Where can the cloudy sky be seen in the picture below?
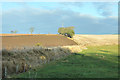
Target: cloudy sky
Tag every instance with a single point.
(47, 17)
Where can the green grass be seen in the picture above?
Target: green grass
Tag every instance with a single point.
(95, 62)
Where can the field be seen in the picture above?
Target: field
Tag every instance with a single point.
(95, 62)
(93, 56)
(96, 40)
(50, 40)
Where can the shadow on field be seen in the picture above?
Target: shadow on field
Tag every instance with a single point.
(104, 51)
(90, 67)
(18, 61)
(76, 66)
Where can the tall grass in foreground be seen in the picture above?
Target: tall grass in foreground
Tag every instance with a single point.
(18, 61)
(89, 63)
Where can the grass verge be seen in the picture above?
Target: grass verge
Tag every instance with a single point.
(95, 62)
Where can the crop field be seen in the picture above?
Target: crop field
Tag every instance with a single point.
(47, 40)
(96, 40)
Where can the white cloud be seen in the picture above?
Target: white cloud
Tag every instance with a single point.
(46, 21)
(104, 9)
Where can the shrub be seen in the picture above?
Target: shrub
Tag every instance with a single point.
(38, 44)
(67, 31)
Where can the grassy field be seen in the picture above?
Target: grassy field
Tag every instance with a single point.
(95, 62)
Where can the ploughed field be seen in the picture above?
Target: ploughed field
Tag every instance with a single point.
(46, 40)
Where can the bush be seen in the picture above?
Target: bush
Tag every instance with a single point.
(38, 44)
(67, 31)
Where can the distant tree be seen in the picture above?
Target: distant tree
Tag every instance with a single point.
(14, 32)
(31, 30)
(67, 31)
(11, 31)
(49, 33)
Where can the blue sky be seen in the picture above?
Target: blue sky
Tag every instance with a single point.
(47, 17)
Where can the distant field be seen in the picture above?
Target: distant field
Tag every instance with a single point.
(26, 40)
(96, 40)
(95, 62)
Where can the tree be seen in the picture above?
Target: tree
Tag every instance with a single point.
(14, 32)
(31, 30)
(67, 31)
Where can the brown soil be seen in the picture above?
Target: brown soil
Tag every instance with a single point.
(47, 40)
(23, 34)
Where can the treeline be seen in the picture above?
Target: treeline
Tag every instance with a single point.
(67, 31)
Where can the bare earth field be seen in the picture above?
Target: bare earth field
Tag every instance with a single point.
(27, 40)
(23, 34)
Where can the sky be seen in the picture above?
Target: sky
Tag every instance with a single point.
(47, 17)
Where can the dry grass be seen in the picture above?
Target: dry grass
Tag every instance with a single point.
(17, 61)
(75, 48)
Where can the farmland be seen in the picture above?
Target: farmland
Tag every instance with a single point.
(59, 39)
(95, 62)
(50, 40)
(101, 56)
(96, 40)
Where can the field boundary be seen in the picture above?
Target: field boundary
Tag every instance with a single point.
(25, 34)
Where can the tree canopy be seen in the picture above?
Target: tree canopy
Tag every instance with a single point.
(66, 30)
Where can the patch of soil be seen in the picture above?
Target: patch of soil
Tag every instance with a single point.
(16, 41)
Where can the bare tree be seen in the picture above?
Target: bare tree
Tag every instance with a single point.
(31, 30)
